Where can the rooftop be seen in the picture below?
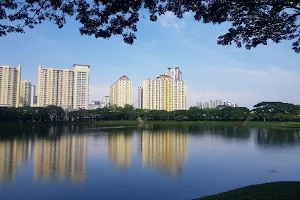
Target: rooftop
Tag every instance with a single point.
(124, 78)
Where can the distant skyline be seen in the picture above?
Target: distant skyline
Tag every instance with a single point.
(267, 73)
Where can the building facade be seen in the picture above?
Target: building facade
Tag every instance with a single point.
(10, 78)
(81, 86)
(33, 96)
(164, 93)
(140, 97)
(175, 74)
(66, 88)
(121, 92)
(212, 104)
(26, 94)
(94, 105)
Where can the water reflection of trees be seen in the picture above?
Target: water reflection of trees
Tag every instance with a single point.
(165, 150)
(274, 138)
(226, 132)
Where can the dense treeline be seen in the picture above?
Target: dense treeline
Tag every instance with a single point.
(129, 113)
(276, 111)
(49, 113)
(264, 111)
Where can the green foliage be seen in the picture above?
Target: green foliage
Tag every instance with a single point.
(267, 191)
(264, 111)
(26, 114)
(276, 111)
(129, 113)
(252, 22)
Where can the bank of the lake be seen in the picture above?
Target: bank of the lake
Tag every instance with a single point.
(268, 191)
(135, 123)
(207, 123)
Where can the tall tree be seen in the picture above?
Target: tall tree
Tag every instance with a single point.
(252, 22)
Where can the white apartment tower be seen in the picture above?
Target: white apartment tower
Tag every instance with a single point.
(175, 74)
(165, 93)
(10, 78)
(26, 94)
(66, 88)
(32, 98)
(121, 92)
(81, 86)
(140, 97)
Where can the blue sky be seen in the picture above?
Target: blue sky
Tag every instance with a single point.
(270, 73)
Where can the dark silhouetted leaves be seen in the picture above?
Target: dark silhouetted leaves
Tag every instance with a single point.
(253, 23)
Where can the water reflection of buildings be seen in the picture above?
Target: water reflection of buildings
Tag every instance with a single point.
(165, 150)
(119, 149)
(63, 157)
(12, 154)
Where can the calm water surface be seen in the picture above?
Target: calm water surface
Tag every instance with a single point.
(183, 162)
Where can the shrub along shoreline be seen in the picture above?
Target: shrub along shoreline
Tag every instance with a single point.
(135, 123)
(284, 190)
(196, 123)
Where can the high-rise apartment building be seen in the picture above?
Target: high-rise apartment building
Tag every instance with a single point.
(10, 78)
(63, 87)
(175, 74)
(121, 92)
(33, 96)
(140, 97)
(164, 93)
(81, 86)
(212, 104)
(26, 94)
(55, 87)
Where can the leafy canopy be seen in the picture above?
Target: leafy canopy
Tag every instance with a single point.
(253, 22)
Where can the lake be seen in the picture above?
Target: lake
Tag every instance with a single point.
(153, 162)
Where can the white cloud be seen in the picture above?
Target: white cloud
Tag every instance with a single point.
(169, 20)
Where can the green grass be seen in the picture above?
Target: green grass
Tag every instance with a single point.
(207, 123)
(174, 123)
(267, 191)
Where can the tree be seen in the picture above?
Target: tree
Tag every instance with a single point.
(277, 111)
(128, 112)
(194, 113)
(252, 22)
(239, 113)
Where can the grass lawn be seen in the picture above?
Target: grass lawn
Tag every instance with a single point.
(267, 191)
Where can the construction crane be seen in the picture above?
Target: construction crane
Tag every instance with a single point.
(199, 103)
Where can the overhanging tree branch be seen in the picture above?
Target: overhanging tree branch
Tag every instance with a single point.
(252, 22)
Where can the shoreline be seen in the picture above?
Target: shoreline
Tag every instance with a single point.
(254, 124)
(201, 123)
(266, 191)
